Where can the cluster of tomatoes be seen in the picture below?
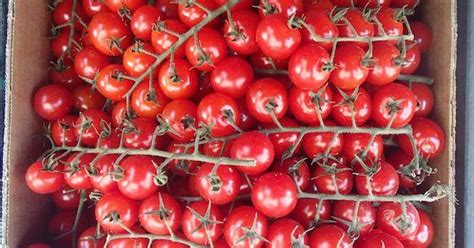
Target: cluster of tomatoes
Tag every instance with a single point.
(247, 86)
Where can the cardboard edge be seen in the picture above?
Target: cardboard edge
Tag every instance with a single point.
(7, 123)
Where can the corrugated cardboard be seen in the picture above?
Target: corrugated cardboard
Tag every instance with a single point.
(25, 213)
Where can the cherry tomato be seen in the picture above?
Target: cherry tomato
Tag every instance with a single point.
(60, 48)
(241, 36)
(333, 175)
(393, 104)
(287, 8)
(321, 25)
(110, 85)
(62, 14)
(275, 38)
(402, 3)
(118, 6)
(52, 102)
(412, 58)
(429, 138)
(355, 144)
(247, 122)
(219, 187)
(309, 67)
(181, 167)
(253, 146)
(213, 49)
(195, 227)
(90, 125)
(391, 24)
(130, 242)
(162, 40)
(286, 233)
(274, 194)
(355, 102)
(320, 5)
(191, 14)
(135, 62)
(260, 60)
(63, 131)
(64, 75)
(373, 3)
(346, 211)
(217, 148)
(283, 142)
(380, 177)
(344, 3)
(425, 234)
(218, 110)
(89, 61)
(142, 21)
(94, 7)
(110, 139)
(170, 244)
(308, 211)
(102, 173)
(361, 26)
(119, 113)
(148, 100)
(241, 5)
(139, 133)
(329, 235)
(423, 35)
(399, 159)
(232, 76)
(386, 68)
(76, 170)
(159, 212)
(315, 144)
(297, 169)
(240, 220)
(304, 104)
(91, 238)
(85, 98)
(267, 97)
(66, 198)
(113, 205)
(378, 239)
(178, 80)
(42, 180)
(137, 181)
(109, 34)
(181, 117)
(390, 219)
(167, 8)
(62, 223)
(424, 98)
(350, 71)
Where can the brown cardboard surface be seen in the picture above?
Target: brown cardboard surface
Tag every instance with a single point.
(24, 213)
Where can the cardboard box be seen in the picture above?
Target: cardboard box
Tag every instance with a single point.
(25, 214)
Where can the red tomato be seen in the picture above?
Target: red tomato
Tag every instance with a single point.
(361, 25)
(308, 212)
(52, 102)
(346, 211)
(274, 194)
(110, 85)
(347, 103)
(213, 49)
(267, 97)
(276, 38)
(162, 40)
(218, 110)
(297, 168)
(288, 7)
(60, 48)
(253, 146)
(94, 7)
(119, 113)
(201, 218)
(321, 5)
(424, 98)
(240, 220)
(64, 75)
(241, 36)
(170, 244)
(390, 219)
(350, 71)
(91, 238)
(63, 131)
(389, 22)
(117, 6)
(286, 233)
(178, 80)
(42, 180)
(320, 25)
(380, 177)
(304, 104)
(219, 187)
(76, 175)
(147, 100)
(110, 139)
(115, 203)
(61, 223)
(260, 60)
(181, 167)
(241, 5)
(247, 122)
(101, 173)
(66, 198)
(191, 14)
(89, 61)
(232, 76)
(344, 3)
(355, 144)
(139, 133)
(143, 20)
(423, 35)
(167, 8)
(315, 144)
(136, 62)
(429, 138)
(402, 3)
(128, 242)
(181, 117)
(89, 126)
(373, 3)
(399, 159)
(425, 234)
(85, 98)
(393, 105)
(309, 67)
(137, 181)
(333, 175)
(386, 68)
(217, 148)
(109, 34)
(283, 142)
(63, 14)
(412, 58)
(159, 212)
(329, 235)
(378, 239)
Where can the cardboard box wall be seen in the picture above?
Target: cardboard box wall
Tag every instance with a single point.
(25, 214)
